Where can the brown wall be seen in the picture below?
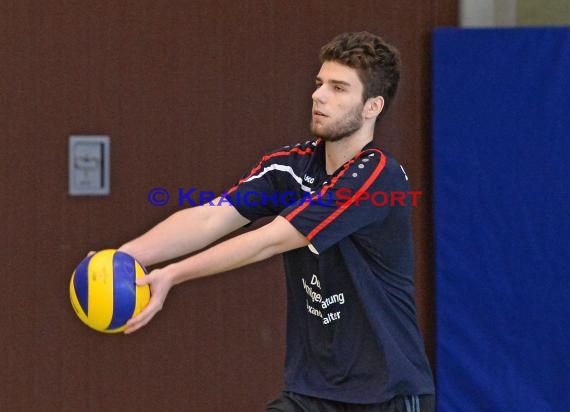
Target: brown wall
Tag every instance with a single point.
(191, 94)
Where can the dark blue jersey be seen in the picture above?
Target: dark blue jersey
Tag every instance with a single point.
(352, 333)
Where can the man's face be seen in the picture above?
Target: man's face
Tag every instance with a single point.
(337, 102)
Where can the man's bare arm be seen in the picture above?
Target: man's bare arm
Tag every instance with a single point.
(274, 238)
(185, 232)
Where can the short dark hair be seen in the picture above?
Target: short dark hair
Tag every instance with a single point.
(377, 62)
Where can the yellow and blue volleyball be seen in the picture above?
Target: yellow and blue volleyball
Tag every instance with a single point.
(103, 291)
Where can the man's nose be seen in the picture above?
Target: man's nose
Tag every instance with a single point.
(319, 95)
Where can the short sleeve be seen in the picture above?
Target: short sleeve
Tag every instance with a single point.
(257, 194)
(365, 191)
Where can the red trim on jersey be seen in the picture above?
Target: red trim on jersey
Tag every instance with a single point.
(346, 204)
(265, 158)
(324, 190)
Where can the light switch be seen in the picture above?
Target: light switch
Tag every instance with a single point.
(89, 165)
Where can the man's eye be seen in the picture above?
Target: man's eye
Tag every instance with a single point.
(338, 88)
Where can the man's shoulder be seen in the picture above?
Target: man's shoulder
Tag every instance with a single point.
(373, 163)
(375, 152)
(295, 154)
(373, 156)
(298, 149)
(377, 156)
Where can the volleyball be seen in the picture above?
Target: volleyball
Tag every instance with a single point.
(103, 292)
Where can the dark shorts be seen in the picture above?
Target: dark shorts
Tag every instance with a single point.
(293, 402)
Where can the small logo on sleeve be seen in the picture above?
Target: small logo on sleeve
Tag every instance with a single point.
(309, 179)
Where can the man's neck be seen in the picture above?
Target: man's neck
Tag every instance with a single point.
(339, 152)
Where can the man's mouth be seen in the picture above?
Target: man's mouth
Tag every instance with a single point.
(319, 113)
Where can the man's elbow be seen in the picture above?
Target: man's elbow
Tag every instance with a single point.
(284, 236)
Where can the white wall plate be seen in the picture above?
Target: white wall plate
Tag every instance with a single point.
(89, 165)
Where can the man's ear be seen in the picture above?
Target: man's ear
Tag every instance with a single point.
(373, 107)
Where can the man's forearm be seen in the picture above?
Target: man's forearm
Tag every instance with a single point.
(184, 232)
(269, 240)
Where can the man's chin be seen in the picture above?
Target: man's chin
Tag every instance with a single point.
(327, 137)
(315, 130)
(322, 133)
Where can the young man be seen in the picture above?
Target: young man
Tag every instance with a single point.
(352, 337)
